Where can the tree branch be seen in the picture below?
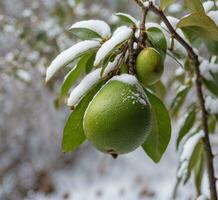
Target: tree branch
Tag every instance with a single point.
(195, 62)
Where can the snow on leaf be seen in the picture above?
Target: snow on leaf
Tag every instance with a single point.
(214, 16)
(202, 197)
(208, 5)
(187, 153)
(206, 68)
(119, 36)
(177, 47)
(88, 81)
(97, 26)
(211, 105)
(69, 55)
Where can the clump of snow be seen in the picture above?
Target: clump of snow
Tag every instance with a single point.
(120, 35)
(207, 67)
(111, 66)
(179, 71)
(147, 2)
(69, 55)
(214, 16)
(208, 5)
(152, 24)
(98, 26)
(24, 75)
(203, 197)
(134, 20)
(177, 47)
(83, 87)
(211, 105)
(175, 8)
(187, 151)
(89, 81)
(126, 78)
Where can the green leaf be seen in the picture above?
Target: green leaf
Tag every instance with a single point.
(84, 33)
(196, 154)
(159, 89)
(212, 123)
(194, 5)
(90, 63)
(212, 46)
(205, 25)
(211, 86)
(126, 19)
(187, 125)
(159, 137)
(73, 134)
(73, 74)
(158, 40)
(198, 174)
(165, 3)
(179, 99)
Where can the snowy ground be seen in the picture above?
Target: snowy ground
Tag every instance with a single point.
(130, 177)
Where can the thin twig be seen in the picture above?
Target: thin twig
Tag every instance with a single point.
(195, 62)
(131, 59)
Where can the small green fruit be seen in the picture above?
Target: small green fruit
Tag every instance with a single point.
(117, 120)
(149, 66)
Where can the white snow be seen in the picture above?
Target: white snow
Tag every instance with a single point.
(214, 16)
(24, 75)
(202, 197)
(208, 5)
(177, 47)
(187, 151)
(128, 16)
(206, 67)
(189, 146)
(211, 105)
(126, 78)
(83, 87)
(69, 55)
(175, 8)
(179, 71)
(146, 3)
(111, 65)
(88, 81)
(98, 26)
(120, 35)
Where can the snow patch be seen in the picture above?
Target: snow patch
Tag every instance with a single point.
(208, 5)
(120, 35)
(203, 197)
(211, 105)
(206, 68)
(214, 16)
(24, 75)
(88, 81)
(98, 26)
(187, 151)
(69, 55)
(177, 46)
(126, 78)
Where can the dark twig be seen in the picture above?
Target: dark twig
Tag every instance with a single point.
(131, 59)
(195, 62)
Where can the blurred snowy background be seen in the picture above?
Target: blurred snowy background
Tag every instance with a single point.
(32, 166)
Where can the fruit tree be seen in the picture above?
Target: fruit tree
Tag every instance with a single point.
(119, 104)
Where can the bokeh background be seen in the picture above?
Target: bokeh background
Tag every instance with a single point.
(32, 166)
